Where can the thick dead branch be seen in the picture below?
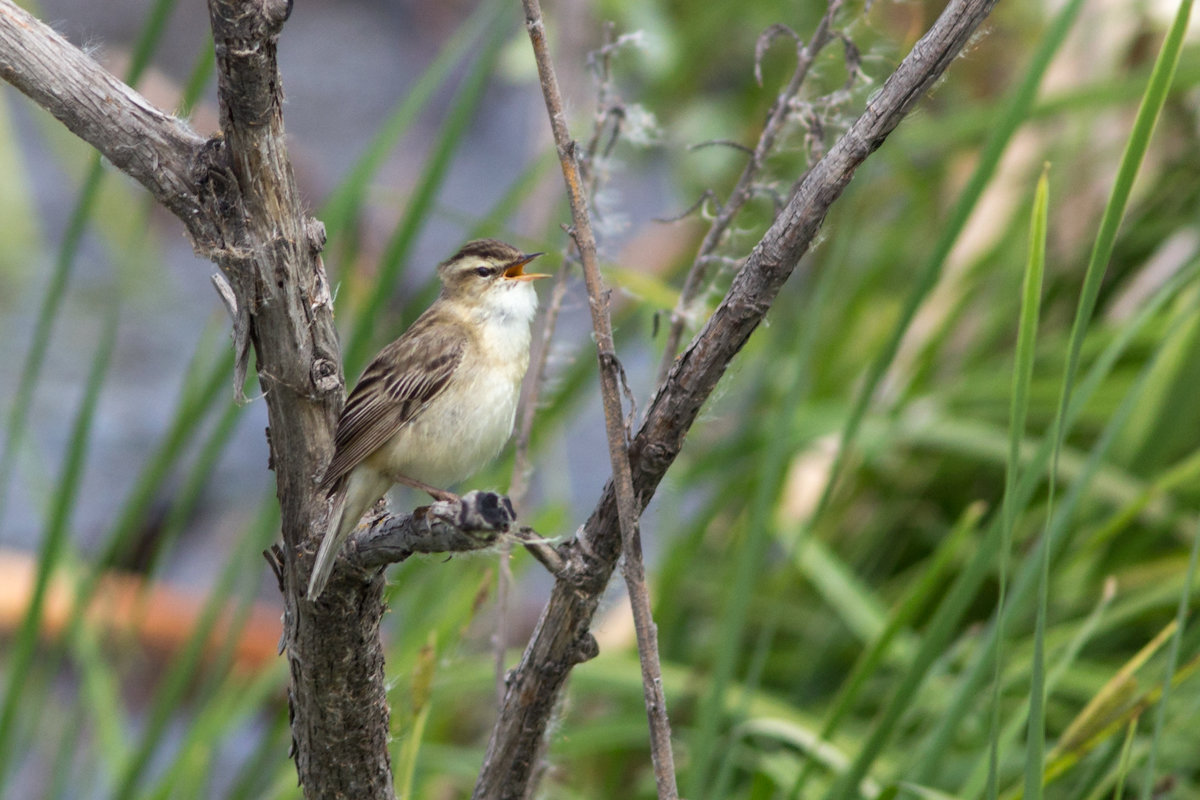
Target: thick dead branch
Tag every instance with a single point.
(272, 259)
(535, 684)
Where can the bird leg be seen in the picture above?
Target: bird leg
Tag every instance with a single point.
(432, 491)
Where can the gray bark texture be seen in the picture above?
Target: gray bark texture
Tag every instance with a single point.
(237, 198)
(269, 253)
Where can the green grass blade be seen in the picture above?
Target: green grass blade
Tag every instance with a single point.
(525, 184)
(181, 672)
(1035, 746)
(226, 702)
(345, 201)
(1101, 252)
(929, 754)
(202, 470)
(99, 701)
(60, 787)
(62, 504)
(751, 554)
(937, 635)
(31, 368)
(1174, 478)
(1126, 754)
(849, 597)
(264, 763)
(450, 137)
(422, 693)
(957, 599)
(197, 397)
(198, 393)
(24, 243)
(978, 782)
(1160, 712)
(1022, 377)
(153, 25)
(765, 489)
(1131, 160)
(198, 79)
(1015, 112)
(920, 596)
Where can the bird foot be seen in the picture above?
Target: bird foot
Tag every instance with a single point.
(487, 511)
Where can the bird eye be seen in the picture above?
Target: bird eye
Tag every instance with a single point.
(482, 272)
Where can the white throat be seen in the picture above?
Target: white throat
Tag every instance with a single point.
(511, 303)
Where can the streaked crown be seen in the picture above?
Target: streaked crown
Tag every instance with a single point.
(482, 264)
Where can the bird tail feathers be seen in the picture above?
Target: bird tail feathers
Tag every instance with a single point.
(363, 488)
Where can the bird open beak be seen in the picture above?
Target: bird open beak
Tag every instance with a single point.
(516, 270)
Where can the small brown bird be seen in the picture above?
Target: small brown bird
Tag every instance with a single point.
(438, 403)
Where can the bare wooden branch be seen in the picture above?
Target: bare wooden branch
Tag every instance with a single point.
(562, 631)
(474, 521)
(237, 198)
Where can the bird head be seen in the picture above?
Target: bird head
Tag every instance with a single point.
(485, 271)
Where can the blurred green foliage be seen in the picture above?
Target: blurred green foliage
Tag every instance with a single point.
(828, 551)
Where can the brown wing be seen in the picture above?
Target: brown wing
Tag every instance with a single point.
(395, 386)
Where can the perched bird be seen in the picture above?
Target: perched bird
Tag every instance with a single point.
(438, 403)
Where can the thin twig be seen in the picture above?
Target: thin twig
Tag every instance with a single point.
(607, 110)
(722, 143)
(709, 196)
(743, 191)
(610, 387)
